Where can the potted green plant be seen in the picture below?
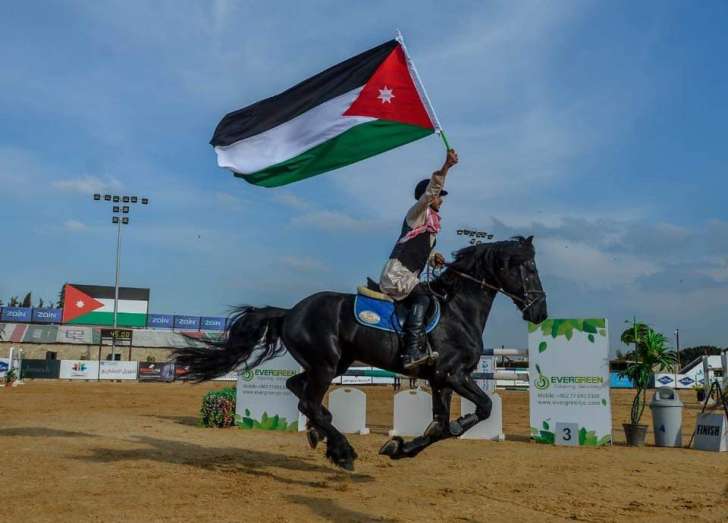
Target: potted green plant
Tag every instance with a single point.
(651, 354)
(10, 377)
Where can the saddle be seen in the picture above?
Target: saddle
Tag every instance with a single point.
(373, 308)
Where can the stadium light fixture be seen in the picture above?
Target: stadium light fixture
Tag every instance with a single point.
(116, 199)
(125, 220)
(107, 197)
(125, 199)
(114, 219)
(97, 196)
(133, 199)
(125, 209)
(116, 208)
(145, 201)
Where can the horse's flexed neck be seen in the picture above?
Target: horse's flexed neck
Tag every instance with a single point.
(508, 267)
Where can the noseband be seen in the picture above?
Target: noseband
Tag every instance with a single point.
(527, 302)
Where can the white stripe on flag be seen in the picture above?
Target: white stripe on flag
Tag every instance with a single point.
(289, 139)
(132, 306)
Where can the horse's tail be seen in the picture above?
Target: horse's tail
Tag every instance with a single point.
(251, 337)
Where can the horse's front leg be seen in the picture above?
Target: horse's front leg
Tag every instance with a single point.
(464, 385)
(438, 429)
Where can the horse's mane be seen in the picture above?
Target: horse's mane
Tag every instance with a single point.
(482, 261)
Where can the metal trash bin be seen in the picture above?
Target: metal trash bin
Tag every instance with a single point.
(667, 410)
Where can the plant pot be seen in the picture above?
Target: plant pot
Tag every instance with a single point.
(635, 434)
(701, 395)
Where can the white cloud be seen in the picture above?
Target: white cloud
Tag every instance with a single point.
(304, 264)
(335, 221)
(88, 184)
(292, 201)
(74, 226)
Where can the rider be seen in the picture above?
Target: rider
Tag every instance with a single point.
(400, 277)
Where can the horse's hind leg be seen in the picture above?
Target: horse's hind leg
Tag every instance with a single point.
(468, 389)
(297, 385)
(311, 388)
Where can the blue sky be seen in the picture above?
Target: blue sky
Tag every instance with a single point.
(600, 127)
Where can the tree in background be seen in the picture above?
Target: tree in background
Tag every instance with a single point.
(14, 302)
(27, 301)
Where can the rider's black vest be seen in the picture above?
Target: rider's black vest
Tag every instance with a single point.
(415, 252)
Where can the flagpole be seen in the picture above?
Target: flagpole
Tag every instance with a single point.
(421, 89)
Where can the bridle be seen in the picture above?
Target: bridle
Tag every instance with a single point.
(527, 303)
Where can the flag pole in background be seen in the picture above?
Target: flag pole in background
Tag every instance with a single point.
(423, 92)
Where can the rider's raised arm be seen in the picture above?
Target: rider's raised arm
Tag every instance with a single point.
(434, 188)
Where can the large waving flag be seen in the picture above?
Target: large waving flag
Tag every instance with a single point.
(364, 106)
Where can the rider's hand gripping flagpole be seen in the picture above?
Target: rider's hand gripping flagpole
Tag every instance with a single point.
(423, 92)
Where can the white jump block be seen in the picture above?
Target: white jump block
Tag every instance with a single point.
(412, 413)
(711, 432)
(491, 428)
(349, 409)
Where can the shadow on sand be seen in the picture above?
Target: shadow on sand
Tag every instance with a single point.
(329, 510)
(43, 432)
(230, 460)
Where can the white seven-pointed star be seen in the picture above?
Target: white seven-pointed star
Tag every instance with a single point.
(80, 304)
(386, 95)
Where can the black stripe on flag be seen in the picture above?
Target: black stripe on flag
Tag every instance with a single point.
(102, 292)
(300, 98)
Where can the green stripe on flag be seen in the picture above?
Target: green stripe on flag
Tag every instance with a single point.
(123, 319)
(358, 143)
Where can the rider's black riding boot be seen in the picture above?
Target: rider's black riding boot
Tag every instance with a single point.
(415, 339)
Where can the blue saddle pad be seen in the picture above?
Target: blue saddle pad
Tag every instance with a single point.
(382, 315)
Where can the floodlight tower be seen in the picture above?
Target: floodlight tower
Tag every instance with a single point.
(119, 217)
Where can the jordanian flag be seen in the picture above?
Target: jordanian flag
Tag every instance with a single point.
(94, 305)
(364, 106)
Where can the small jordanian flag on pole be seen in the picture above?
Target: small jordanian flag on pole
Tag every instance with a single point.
(94, 305)
(362, 107)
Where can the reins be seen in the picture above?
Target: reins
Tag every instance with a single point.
(485, 285)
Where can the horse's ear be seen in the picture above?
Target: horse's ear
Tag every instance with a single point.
(529, 240)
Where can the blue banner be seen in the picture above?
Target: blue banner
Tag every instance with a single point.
(47, 315)
(187, 323)
(208, 323)
(160, 321)
(615, 382)
(17, 314)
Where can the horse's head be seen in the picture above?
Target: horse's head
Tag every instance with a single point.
(508, 267)
(517, 275)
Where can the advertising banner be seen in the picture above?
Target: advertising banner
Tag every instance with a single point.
(153, 371)
(47, 315)
(4, 364)
(41, 334)
(208, 323)
(187, 323)
(76, 334)
(79, 370)
(19, 314)
(683, 381)
(118, 370)
(569, 372)
(160, 321)
(263, 401)
(41, 369)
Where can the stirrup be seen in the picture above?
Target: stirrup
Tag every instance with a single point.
(411, 363)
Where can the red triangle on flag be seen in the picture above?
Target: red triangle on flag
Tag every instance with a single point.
(77, 303)
(390, 94)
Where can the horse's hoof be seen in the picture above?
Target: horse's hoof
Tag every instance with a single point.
(392, 447)
(456, 429)
(347, 465)
(314, 437)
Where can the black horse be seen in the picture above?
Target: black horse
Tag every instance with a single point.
(324, 337)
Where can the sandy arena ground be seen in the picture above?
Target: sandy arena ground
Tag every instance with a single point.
(133, 452)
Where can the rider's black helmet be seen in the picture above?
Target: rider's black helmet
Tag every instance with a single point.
(422, 187)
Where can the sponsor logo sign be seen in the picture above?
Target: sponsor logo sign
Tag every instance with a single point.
(16, 314)
(263, 401)
(569, 372)
(118, 370)
(79, 370)
(160, 321)
(189, 323)
(212, 323)
(154, 371)
(47, 315)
